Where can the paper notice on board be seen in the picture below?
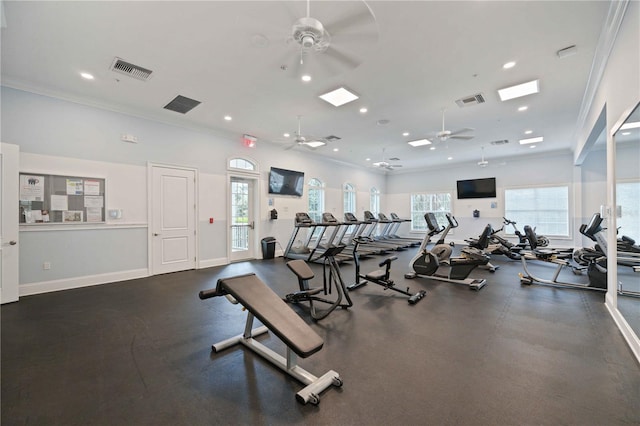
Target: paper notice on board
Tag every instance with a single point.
(74, 187)
(72, 216)
(94, 214)
(31, 188)
(91, 187)
(93, 201)
(59, 202)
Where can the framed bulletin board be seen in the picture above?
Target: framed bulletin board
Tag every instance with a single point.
(54, 199)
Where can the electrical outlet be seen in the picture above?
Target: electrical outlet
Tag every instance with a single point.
(46, 265)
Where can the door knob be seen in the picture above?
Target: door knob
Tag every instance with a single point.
(155, 235)
(13, 242)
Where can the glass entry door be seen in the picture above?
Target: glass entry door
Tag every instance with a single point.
(242, 228)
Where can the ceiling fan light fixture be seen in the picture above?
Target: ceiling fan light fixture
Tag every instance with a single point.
(420, 142)
(339, 97)
(519, 90)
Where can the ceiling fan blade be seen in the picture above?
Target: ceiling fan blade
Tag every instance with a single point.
(466, 129)
(351, 21)
(465, 137)
(341, 57)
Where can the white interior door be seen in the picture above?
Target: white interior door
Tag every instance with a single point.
(9, 158)
(242, 223)
(173, 219)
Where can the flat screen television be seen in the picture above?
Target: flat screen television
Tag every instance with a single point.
(285, 182)
(477, 188)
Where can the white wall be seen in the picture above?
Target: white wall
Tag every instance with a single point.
(554, 168)
(60, 137)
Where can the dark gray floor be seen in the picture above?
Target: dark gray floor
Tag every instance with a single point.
(138, 353)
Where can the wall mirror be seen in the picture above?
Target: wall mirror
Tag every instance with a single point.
(627, 171)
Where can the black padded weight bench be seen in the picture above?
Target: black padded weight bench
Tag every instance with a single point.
(301, 340)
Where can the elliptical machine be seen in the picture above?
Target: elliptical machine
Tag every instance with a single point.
(379, 276)
(434, 264)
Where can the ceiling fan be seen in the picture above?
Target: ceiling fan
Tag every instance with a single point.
(311, 142)
(444, 134)
(384, 164)
(342, 39)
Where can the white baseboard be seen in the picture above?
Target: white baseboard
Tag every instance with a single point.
(77, 282)
(209, 263)
(627, 332)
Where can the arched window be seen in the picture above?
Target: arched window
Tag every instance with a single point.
(374, 201)
(242, 164)
(349, 198)
(316, 199)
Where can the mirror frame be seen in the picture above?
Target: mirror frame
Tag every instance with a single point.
(612, 265)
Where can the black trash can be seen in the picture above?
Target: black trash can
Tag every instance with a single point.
(268, 247)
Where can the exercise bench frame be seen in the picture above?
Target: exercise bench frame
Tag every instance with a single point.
(300, 339)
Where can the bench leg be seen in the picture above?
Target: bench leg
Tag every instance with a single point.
(289, 365)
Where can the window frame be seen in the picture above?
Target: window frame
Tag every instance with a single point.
(439, 213)
(374, 200)
(315, 185)
(539, 223)
(349, 198)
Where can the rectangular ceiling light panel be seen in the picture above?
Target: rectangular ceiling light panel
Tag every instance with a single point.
(531, 140)
(339, 97)
(420, 142)
(519, 90)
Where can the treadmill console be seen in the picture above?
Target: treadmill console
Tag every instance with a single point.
(303, 219)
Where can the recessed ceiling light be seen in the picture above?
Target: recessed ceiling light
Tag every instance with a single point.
(433, 148)
(228, 117)
(519, 90)
(306, 78)
(509, 65)
(367, 159)
(532, 146)
(339, 97)
(531, 140)
(86, 76)
(528, 132)
(523, 108)
(631, 125)
(626, 133)
(286, 135)
(449, 158)
(405, 134)
(363, 110)
(335, 150)
(420, 142)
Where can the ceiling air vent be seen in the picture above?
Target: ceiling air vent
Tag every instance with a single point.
(131, 70)
(332, 138)
(471, 100)
(182, 104)
(500, 142)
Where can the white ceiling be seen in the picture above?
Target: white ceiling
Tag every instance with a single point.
(407, 64)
